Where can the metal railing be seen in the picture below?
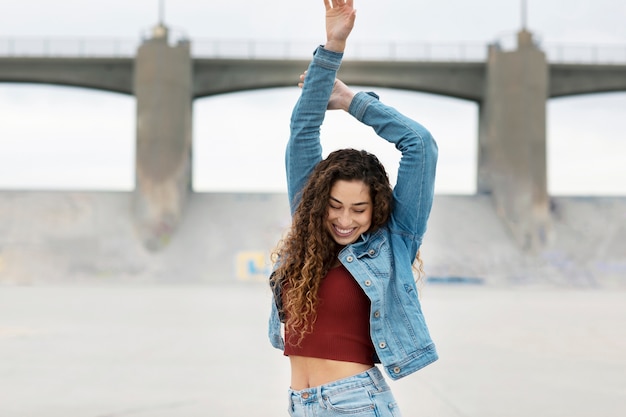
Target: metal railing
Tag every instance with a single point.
(585, 54)
(384, 51)
(256, 49)
(67, 47)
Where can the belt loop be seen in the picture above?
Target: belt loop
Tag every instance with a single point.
(291, 406)
(320, 396)
(376, 378)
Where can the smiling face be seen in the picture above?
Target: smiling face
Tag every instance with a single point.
(349, 211)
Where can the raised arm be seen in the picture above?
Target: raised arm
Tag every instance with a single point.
(414, 190)
(304, 150)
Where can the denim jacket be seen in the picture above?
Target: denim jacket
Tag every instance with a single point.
(381, 262)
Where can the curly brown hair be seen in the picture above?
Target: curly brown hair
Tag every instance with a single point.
(308, 250)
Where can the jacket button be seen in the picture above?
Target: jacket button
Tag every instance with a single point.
(368, 283)
(396, 370)
(383, 345)
(372, 252)
(349, 259)
(377, 314)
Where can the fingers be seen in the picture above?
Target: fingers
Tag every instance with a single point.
(301, 83)
(331, 4)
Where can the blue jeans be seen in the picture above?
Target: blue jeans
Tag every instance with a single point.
(365, 394)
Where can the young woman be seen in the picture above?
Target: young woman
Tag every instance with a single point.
(343, 281)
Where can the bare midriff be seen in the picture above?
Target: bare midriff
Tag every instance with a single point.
(309, 372)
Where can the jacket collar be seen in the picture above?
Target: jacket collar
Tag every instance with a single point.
(367, 241)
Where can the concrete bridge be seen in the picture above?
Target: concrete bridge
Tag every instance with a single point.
(511, 88)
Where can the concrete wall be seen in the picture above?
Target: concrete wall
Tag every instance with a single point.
(59, 238)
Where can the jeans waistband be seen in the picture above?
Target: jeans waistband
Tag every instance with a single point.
(372, 377)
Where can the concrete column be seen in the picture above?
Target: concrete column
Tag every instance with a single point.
(512, 140)
(483, 171)
(163, 90)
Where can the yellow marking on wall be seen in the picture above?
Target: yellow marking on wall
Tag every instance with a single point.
(252, 266)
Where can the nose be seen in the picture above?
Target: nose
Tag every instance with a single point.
(344, 219)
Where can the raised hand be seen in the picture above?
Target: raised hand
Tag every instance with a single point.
(340, 17)
(340, 97)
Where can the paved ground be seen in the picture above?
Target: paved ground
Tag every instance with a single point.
(191, 351)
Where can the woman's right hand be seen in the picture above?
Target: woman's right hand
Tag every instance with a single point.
(340, 17)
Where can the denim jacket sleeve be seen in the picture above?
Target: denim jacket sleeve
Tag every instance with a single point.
(414, 190)
(304, 150)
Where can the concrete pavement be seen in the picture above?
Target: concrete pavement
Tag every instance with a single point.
(201, 350)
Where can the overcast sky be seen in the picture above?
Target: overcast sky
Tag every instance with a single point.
(71, 138)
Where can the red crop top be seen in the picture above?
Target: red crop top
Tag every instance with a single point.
(342, 329)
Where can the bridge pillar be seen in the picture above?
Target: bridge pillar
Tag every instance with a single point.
(163, 92)
(512, 140)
